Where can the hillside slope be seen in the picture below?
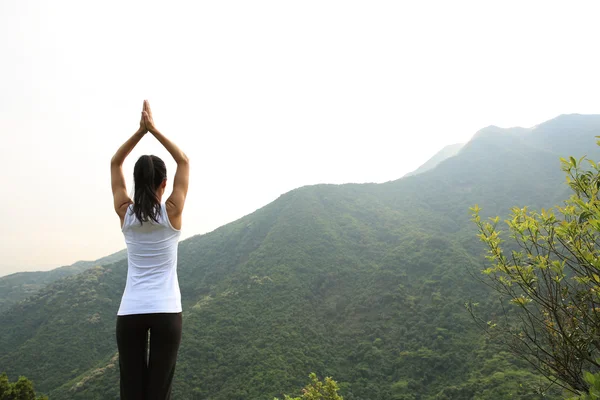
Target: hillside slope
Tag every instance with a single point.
(365, 283)
(443, 154)
(20, 285)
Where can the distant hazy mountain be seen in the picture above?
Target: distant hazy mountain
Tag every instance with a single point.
(18, 286)
(446, 152)
(362, 282)
(564, 135)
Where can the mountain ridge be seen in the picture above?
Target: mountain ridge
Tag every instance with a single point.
(362, 282)
(516, 133)
(18, 286)
(446, 152)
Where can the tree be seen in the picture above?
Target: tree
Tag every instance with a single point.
(5, 386)
(317, 390)
(550, 273)
(22, 389)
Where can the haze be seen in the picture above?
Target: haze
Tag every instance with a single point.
(263, 96)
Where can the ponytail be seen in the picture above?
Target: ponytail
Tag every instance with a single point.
(148, 174)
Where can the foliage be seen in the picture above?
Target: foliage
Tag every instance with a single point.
(593, 380)
(318, 390)
(22, 389)
(552, 279)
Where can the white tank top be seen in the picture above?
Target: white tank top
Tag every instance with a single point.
(152, 285)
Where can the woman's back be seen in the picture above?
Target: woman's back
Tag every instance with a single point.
(152, 285)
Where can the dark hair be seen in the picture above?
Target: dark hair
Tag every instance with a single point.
(149, 172)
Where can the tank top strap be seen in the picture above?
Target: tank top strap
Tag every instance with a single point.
(165, 217)
(128, 217)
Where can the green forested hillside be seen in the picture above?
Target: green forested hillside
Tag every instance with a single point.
(18, 286)
(365, 283)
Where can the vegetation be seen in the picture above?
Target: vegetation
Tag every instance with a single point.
(22, 389)
(318, 390)
(21, 285)
(365, 283)
(553, 281)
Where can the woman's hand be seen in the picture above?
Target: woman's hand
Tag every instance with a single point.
(142, 130)
(147, 118)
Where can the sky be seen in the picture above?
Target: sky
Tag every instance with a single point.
(263, 96)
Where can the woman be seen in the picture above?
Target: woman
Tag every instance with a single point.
(151, 303)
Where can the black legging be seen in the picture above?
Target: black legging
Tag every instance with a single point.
(143, 378)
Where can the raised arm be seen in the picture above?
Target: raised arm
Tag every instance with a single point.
(176, 201)
(119, 189)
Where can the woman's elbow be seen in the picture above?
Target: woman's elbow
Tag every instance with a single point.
(183, 159)
(115, 162)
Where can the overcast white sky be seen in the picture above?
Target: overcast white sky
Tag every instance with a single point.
(263, 96)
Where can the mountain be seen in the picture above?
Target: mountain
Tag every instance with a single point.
(566, 134)
(18, 286)
(362, 282)
(446, 152)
